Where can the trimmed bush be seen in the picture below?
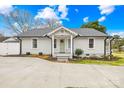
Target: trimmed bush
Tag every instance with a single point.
(78, 52)
(87, 54)
(40, 53)
(28, 53)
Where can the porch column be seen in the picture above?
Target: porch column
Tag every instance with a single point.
(71, 46)
(53, 45)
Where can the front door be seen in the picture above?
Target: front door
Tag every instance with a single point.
(62, 45)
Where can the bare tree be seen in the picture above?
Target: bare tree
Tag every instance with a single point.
(21, 20)
(53, 23)
(18, 21)
(47, 23)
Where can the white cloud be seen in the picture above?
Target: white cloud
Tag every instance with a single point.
(61, 22)
(106, 9)
(5, 9)
(46, 13)
(86, 19)
(77, 10)
(64, 11)
(121, 34)
(103, 18)
(53, 12)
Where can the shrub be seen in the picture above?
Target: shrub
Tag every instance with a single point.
(40, 53)
(87, 54)
(78, 52)
(28, 53)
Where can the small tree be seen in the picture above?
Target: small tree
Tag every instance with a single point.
(78, 52)
(95, 25)
(118, 42)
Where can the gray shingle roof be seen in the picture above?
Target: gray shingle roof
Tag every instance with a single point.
(88, 32)
(80, 31)
(35, 32)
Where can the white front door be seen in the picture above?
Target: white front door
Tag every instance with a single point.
(62, 45)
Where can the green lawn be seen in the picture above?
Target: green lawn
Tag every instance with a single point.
(119, 54)
(119, 62)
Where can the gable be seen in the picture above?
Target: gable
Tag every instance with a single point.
(62, 31)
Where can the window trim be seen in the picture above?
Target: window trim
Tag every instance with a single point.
(32, 43)
(93, 43)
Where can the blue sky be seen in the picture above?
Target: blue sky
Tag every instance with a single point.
(72, 16)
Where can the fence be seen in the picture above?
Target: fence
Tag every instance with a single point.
(9, 48)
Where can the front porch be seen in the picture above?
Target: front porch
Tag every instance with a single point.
(62, 46)
(62, 39)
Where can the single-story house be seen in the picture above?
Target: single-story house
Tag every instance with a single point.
(62, 42)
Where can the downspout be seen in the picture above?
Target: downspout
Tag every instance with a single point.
(105, 47)
(20, 45)
(111, 48)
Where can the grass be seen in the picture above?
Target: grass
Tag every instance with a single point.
(119, 62)
(119, 54)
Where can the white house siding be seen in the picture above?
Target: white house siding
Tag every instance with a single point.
(43, 45)
(83, 43)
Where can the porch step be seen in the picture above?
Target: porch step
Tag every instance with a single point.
(62, 58)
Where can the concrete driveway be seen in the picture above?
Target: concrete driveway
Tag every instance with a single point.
(34, 72)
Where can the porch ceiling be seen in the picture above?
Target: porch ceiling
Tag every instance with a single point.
(62, 36)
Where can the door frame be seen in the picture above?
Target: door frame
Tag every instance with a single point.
(62, 50)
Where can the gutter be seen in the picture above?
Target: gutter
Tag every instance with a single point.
(105, 46)
(20, 45)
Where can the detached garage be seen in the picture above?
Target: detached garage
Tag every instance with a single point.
(10, 46)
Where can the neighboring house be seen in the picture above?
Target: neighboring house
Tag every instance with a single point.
(62, 42)
(122, 48)
(9, 46)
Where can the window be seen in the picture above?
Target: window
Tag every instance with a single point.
(69, 43)
(91, 43)
(54, 43)
(34, 43)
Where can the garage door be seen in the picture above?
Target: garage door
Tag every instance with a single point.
(9, 48)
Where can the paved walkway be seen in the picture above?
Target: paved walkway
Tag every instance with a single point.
(34, 72)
